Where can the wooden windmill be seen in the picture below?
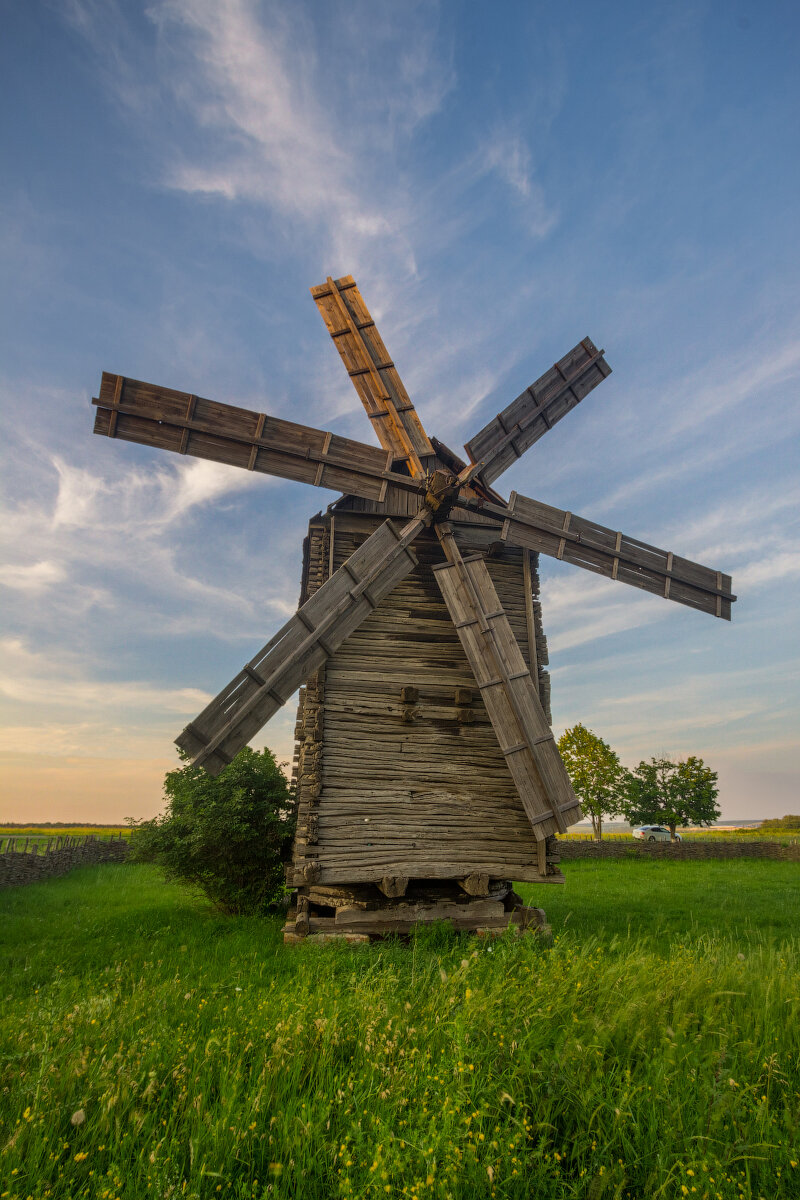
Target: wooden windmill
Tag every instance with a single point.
(427, 772)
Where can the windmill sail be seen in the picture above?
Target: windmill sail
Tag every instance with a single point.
(508, 692)
(537, 409)
(537, 526)
(372, 372)
(312, 635)
(186, 424)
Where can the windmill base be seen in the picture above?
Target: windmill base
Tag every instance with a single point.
(362, 913)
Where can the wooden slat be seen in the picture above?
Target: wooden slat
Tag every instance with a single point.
(509, 695)
(170, 420)
(537, 409)
(372, 371)
(537, 526)
(300, 647)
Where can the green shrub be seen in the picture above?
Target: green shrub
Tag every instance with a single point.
(228, 836)
(789, 823)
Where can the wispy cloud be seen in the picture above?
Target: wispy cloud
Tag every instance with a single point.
(44, 677)
(751, 389)
(33, 579)
(254, 80)
(510, 157)
(582, 608)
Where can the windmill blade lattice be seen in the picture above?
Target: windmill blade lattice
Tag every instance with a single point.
(161, 417)
(504, 680)
(373, 373)
(576, 540)
(312, 635)
(513, 431)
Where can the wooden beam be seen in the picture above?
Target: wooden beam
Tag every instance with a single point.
(535, 526)
(508, 692)
(312, 635)
(537, 409)
(134, 411)
(373, 372)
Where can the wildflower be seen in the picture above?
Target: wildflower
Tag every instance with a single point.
(81, 1155)
(78, 1117)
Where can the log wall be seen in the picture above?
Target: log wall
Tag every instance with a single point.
(397, 766)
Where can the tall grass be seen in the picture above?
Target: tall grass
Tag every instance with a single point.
(152, 1048)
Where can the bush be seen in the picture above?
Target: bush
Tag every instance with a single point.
(228, 836)
(788, 824)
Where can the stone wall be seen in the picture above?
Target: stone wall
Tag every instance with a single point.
(18, 867)
(702, 848)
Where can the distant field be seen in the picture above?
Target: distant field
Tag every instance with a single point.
(749, 834)
(653, 1051)
(53, 831)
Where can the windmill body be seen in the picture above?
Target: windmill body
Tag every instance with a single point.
(427, 773)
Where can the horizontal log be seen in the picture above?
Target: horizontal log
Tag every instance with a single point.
(358, 872)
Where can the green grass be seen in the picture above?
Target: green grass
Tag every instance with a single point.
(652, 1051)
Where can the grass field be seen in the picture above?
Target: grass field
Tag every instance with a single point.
(151, 1048)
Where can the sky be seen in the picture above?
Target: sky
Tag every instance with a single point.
(502, 180)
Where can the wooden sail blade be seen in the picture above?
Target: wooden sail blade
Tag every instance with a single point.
(508, 692)
(312, 635)
(374, 375)
(187, 424)
(562, 535)
(537, 409)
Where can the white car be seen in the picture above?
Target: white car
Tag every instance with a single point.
(653, 833)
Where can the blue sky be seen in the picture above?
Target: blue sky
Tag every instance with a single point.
(502, 180)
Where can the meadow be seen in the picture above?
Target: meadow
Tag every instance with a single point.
(150, 1047)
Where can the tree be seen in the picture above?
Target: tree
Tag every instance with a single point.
(788, 824)
(228, 836)
(672, 793)
(598, 777)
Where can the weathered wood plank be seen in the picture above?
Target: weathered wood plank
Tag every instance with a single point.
(372, 372)
(354, 868)
(562, 535)
(303, 644)
(537, 409)
(134, 411)
(511, 700)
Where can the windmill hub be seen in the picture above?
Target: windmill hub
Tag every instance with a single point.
(427, 773)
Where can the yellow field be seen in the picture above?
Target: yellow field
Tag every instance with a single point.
(47, 831)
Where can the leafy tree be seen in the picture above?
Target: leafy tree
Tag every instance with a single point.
(671, 793)
(788, 824)
(228, 836)
(598, 777)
